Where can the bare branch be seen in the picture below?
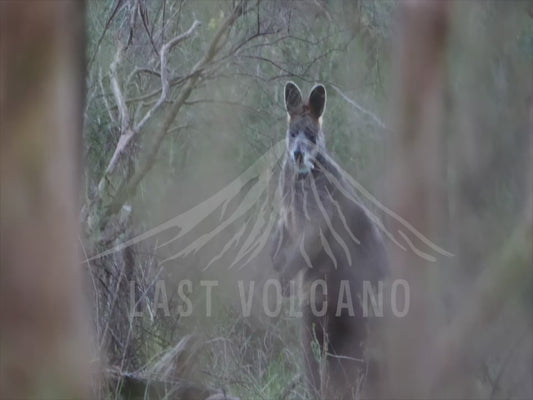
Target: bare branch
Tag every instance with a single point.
(133, 20)
(127, 133)
(143, 13)
(138, 70)
(172, 82)
(117, 92)
(164, 73)
(362, 110)
(246, 107)
(104, 97)
(219, 40)
(119, 4)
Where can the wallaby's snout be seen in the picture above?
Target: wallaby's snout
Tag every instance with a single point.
(303, 153)
(298, 156)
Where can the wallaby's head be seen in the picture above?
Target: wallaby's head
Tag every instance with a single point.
(304, 135)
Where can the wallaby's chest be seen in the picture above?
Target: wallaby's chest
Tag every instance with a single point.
(309, 204)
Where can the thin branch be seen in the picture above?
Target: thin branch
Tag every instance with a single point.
(126, 132)
(133, 20)
(273, 63)
(163, 20)
(106, 27)
(138, 70)
(106, 103)
(172, 82)
(117, 92)
(246, 107)
(219, 40)
(362, 110)
(164, 73)
(144, 17)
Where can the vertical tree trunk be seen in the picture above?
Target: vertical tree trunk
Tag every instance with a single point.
(417, 186)
(43, 348)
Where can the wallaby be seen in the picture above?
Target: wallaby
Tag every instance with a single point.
(325, 233)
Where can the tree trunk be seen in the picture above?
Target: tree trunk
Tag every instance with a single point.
(44, 352)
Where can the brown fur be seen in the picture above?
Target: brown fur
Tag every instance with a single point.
(325, 234)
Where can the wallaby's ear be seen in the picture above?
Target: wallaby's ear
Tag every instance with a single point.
(317, 100)
(293, 99)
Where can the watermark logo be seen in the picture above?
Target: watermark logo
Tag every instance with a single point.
(374, 301)
(257, 213)
(265, 213)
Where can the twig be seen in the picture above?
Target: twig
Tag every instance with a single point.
(106, 27)
(164, 73)
(127, 133)
(129, 186)
(362, 110)
(117, 92)
(138, 70)
(144, 17)
(104, 97)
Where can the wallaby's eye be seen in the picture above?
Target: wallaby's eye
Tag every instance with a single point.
(310, 136)
(293, 133)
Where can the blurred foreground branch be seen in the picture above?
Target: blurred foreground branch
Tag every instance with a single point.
(44, 344)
